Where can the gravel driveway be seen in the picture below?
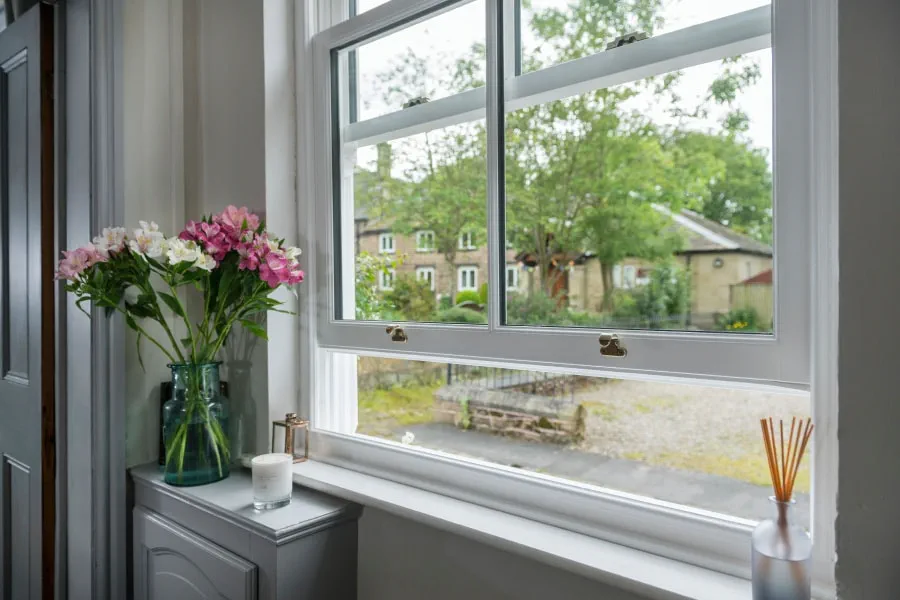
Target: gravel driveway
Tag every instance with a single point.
(698, 428)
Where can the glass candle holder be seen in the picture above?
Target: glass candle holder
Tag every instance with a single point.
(272, 482)
(781, 557)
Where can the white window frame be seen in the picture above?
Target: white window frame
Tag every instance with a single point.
(386, 279)
(805, 75)
(383, 238)
(420, 235)
(467, 241)
(461, 273)
(514, 269)
(420, 271)
(629, 276)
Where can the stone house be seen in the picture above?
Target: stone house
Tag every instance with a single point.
(716, 257)
(420, 259)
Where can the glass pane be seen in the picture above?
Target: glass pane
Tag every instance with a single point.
(693, 445)
(646, 205)
(419, 210)
(361, 6)
(432, 59)
(556, 31)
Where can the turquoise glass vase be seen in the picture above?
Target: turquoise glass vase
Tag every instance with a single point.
(195, 426)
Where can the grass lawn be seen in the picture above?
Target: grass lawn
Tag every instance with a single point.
(382, 411)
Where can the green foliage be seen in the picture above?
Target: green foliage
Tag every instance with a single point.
(665, 301)
(468, 296)
(445, 303)
(541, 309)
(411, 298)
(483, 294)
(741, 319)
(458, 314)
(370, 302)
(584, 173)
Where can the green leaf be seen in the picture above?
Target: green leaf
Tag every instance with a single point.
(254, 328)
(173, 304)
(140, 358)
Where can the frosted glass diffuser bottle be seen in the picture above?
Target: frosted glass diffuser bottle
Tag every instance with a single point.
(781, 557)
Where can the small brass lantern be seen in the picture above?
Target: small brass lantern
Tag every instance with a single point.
(292, 422)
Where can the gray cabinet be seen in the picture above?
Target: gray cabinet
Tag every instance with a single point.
(208, 542)
(170, 562)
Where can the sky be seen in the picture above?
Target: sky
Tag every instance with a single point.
(450, 35)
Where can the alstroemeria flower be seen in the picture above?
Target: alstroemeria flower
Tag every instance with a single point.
(205, 262)
(148, 240)
(182, 251)
(111, 239)
(236, 220)
(75, 262)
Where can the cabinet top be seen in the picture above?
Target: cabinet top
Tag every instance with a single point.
(232, 500)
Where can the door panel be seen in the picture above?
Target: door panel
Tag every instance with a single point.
(27, 399)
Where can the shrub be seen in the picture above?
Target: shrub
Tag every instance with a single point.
(740, 319)
(445, 303)
(411, 298)
(665, 300)
(483, 294)
(468, 296)
(458, 314)
(535, 309)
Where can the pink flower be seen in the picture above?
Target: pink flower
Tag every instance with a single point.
(253, 252)
(210, 237)
(235, 220)
(274, 270)
(191, 231)
(75, 262)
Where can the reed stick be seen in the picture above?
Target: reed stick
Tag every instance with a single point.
(784, 457)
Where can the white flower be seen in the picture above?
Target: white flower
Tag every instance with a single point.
(132, 292)
(292, 252)
(205, 262)
(273, 245)
(182, 251)
(148, 240)
(408, 438)
(111, 239)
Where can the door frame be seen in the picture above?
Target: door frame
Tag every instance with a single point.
(92, 553)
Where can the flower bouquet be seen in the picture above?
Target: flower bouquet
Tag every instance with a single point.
(235, 264)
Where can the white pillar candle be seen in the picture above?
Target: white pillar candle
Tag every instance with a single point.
(272, 482)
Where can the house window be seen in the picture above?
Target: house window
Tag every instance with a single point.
(424, 241)
(512, 277)
(468, 278)
(386, 243)
(426, 274)
(386, 279)
(629, 276)
(552, 147)
(617, 276)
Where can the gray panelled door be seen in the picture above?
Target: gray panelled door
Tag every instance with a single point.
(26, 308)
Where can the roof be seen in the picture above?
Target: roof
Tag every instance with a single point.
(705, 235)
(759, 278)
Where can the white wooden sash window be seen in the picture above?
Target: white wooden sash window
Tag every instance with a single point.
(353, 136)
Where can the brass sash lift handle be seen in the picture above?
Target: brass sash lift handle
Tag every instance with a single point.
(397, 334)
(611, 346)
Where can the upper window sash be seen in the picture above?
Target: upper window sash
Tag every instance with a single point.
(781, 359)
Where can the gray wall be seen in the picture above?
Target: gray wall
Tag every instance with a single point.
(404, 560)
(868, 540)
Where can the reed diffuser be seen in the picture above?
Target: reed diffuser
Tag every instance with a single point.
(782, 549)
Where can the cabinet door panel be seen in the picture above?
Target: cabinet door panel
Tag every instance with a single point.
(171, 562)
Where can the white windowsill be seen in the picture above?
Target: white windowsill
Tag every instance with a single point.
(645, 574)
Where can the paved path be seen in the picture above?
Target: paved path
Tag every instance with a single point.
(711, 492)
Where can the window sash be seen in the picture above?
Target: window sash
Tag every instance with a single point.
(775, 361)
(781, 359)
